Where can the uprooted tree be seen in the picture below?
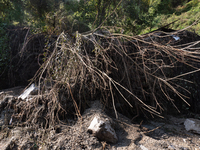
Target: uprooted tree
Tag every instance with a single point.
(128, 74)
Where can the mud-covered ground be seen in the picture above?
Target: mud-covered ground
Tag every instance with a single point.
(152, 134)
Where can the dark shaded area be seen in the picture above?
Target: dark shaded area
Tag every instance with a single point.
(183, 65)
(189, 65)
(27, 52)
(157, 58)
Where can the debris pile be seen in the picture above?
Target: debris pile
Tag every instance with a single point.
(133, 75)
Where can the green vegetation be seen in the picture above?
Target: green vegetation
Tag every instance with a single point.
(132, 17)
(186, 14)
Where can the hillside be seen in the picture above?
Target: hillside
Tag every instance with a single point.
(186, 14)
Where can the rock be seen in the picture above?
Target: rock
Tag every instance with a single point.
(101, 125)
(192, 125)
(32, 90)
(101, 128)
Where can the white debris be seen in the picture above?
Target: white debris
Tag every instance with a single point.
(176, 37)
(30, 91)
(10, 121)
(101, 128)
(143, 147)
(184, 140)
(192, 125)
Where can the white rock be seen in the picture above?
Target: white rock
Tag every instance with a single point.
(101, 128)
(143, 147)
(30, 91)
(192, 125)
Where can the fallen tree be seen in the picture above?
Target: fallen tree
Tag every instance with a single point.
(128, 74)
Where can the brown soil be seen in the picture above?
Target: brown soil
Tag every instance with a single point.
(167, 133)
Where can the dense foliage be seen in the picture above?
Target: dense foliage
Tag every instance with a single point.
(132, 15)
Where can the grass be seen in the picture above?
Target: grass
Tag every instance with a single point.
(186, 14)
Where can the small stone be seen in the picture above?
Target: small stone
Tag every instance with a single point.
(143, 147)
(192, 125)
